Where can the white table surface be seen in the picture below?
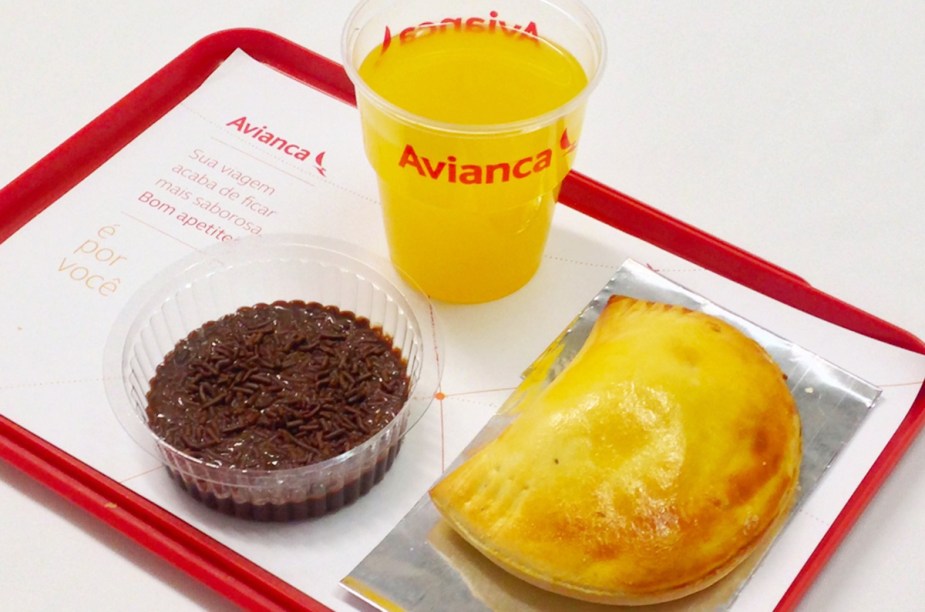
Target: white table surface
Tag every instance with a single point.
(793, 129)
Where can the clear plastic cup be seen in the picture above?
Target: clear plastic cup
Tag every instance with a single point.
(471, 115)
(218, 281)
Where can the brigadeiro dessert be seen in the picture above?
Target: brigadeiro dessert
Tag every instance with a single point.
(272, 388)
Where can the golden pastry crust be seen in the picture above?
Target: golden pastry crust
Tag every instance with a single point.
(646, 471)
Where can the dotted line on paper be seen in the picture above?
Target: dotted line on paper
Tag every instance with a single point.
(804, 512)
(478, 391)
(577, 262)
(917, 383)
(473, 401)
(654, 269)
(49, 383)
(610, 266)
(442, 433)
(160, 231)
(140, 474)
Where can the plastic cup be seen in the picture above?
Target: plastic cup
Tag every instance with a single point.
(209, 284)
(471, 114)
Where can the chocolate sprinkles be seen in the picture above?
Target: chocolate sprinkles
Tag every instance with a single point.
(277, 386)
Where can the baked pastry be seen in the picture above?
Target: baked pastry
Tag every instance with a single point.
(647, 470)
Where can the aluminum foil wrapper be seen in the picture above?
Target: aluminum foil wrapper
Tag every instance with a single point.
(423, 565)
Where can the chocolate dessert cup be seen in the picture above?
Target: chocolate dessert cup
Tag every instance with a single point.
(219, 281)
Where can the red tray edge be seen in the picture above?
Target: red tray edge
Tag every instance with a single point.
(209, 561)
(197, 554)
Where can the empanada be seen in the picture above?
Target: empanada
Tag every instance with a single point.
(646, 471)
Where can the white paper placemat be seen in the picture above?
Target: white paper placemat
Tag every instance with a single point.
(212, 169)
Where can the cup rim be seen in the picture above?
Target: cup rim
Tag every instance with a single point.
(574, 7)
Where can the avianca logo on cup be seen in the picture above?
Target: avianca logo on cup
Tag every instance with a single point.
(473, 24)
(452, 171)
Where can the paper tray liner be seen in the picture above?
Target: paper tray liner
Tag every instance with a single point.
(424, 565)
(221, 568)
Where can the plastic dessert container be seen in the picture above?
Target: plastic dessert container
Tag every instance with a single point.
(218, 281)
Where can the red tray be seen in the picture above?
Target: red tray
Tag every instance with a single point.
(214, 564)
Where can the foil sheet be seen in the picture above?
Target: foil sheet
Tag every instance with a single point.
(423, 565)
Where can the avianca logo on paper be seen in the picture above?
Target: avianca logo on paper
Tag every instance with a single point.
(261, 133)
(452, 170)
(472, 24)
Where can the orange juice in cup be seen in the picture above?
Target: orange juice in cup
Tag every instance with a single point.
(470, 118)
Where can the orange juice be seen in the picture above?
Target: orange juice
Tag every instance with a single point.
(469, 169)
